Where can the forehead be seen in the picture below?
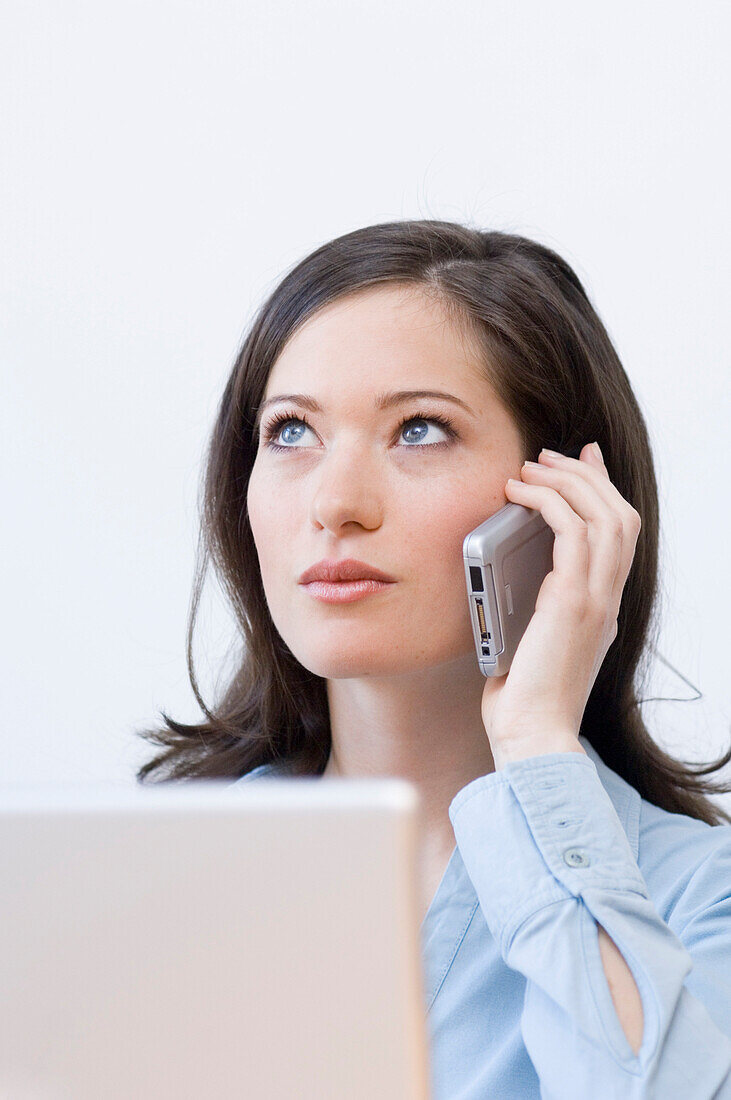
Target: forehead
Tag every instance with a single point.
(377, 337)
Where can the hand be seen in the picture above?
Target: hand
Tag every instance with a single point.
(538, 705)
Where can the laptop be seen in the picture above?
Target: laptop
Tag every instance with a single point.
(203, 940)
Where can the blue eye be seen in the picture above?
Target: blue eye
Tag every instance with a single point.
(274, 427)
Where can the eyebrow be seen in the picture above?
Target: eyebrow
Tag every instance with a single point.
(383, 401)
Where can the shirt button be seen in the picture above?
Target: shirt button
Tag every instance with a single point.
(576, 857)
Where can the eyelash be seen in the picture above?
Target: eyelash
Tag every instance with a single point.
(272, 429)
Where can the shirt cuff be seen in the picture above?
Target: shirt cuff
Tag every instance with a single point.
(540, 830)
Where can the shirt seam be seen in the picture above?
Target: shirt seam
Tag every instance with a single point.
(455, 949)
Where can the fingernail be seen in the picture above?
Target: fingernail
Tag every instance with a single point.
(597, 451)
(553, 454)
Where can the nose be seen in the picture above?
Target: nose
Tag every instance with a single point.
(346, 488)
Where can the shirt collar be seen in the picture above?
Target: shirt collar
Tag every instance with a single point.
(625, 799)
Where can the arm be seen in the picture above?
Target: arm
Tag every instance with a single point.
(550, 863)
(625, 994)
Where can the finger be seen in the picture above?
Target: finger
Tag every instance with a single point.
(570, 546)
(587, 454)
(595, 473)
(605, 533)
(591, 453)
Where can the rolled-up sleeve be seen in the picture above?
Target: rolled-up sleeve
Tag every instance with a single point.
(549, 860)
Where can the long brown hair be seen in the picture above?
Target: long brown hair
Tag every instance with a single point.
(551, 362)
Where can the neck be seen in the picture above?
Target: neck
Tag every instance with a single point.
(422, 725)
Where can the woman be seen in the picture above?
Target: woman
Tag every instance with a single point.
(576, 937)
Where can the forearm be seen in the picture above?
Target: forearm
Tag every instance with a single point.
(555, 871)
(625, 994)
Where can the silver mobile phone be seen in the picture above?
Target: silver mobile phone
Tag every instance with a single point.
(506, 560)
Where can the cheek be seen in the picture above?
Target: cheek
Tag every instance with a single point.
(267, 520)
(257, 517)
(266, 506)
(436, 562)
(450, 519)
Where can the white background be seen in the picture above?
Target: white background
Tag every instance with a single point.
(165, 163)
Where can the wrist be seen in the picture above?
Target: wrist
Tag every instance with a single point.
(508, 749)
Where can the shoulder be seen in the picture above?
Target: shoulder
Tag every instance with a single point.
(685, 862)
(264, 771)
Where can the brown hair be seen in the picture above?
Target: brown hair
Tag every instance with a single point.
(551, 362)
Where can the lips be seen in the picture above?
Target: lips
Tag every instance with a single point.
(348, 570)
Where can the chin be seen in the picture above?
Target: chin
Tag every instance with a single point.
(348, 666)
(360, 661)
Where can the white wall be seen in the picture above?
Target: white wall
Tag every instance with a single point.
(164, 163)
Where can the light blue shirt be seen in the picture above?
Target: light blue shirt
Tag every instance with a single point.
(517, 1001)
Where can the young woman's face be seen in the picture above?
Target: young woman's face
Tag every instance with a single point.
(353, 482)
